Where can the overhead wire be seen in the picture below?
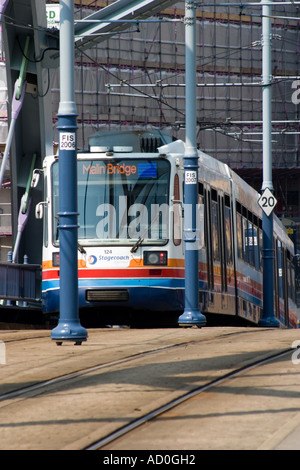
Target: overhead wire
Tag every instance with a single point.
(161, 99)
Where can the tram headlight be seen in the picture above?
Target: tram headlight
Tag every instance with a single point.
(155, 258)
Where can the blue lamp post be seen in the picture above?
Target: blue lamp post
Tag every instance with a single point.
(69, 327)
(268, 318)
(191, 315)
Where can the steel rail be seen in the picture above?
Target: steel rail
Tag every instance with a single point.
(177, 401)
(63, 378)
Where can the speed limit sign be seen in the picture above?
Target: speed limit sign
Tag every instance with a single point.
(267, 201)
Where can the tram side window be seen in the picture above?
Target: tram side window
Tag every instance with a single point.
(255, 247)
(260, 244)
(215, 226)
(248, 236)
(239, 235)
(250, 242)
(201, 214)
(253, 241)
(279, 272)
(245, 239)
(291, 276)
(228, 239)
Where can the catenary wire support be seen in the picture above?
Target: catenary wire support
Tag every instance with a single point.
(191, 315)
(268, 319)
(24, 211)
(17, 103)
(3, 5)
(69, 327)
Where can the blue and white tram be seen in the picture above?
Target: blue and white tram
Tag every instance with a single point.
(130, 236)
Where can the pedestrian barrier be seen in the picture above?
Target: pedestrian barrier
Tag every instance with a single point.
(20, 282)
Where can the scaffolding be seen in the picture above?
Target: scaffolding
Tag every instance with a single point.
(136, 80)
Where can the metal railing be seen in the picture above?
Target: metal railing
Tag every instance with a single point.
(20, 282)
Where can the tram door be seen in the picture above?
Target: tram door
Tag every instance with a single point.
(218, 242)
(218, 236)
(281, 281)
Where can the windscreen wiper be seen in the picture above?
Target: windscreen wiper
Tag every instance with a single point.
(136, 245)
(80, 248)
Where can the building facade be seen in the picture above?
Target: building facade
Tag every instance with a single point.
(136, 80)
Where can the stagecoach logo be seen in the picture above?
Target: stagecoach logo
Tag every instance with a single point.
(2, 353)
(108, 256)
(92, 259)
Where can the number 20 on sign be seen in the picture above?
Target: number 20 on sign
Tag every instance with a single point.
(267, 201)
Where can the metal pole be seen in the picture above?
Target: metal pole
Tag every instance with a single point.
(268, 318)
(69, 327)
(191, 314)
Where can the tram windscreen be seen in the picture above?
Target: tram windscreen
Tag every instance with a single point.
(120, 201)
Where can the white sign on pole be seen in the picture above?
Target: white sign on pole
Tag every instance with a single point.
(53, 15)
(267, 201)
(67, 141)
(190, 177)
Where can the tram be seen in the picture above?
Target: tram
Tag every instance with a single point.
(131, 246)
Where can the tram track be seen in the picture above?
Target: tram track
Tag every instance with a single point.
(74, 375)
(78, 373)
(113, 437)
(120, 381)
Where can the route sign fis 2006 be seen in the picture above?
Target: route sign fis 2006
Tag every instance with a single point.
(267, 201)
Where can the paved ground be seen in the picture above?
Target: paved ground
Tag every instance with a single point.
(260, 410)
